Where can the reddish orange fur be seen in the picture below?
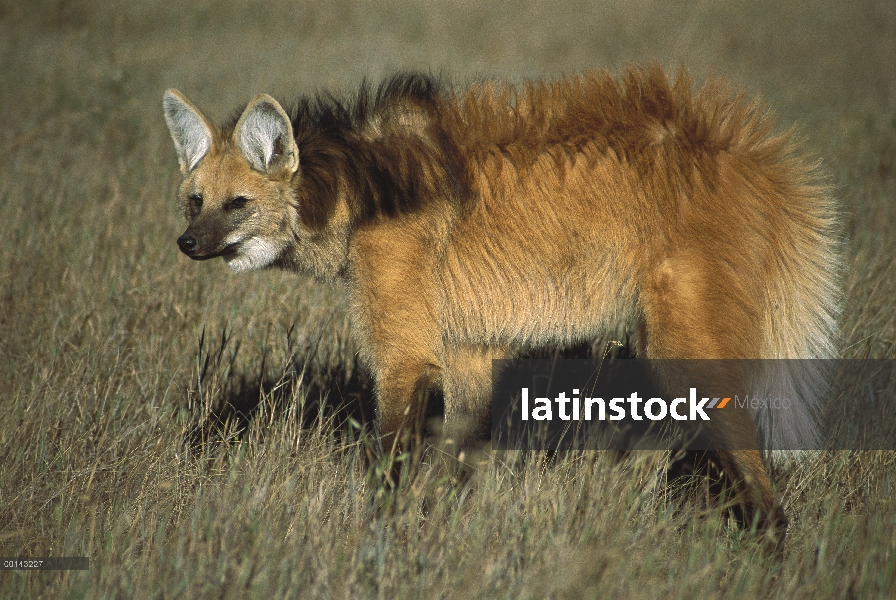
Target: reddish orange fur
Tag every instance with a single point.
(474, 224)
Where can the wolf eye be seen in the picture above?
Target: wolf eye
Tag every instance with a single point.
(195, 201)
(236, 203)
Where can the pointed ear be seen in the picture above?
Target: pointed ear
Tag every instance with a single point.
(190, 130)
(264, 136)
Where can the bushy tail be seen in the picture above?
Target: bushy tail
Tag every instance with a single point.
(801, 314)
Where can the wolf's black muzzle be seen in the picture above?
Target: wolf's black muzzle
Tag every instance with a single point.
(187, 244)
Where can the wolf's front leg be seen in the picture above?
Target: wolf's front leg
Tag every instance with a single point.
(467, 385)
(395, 308)
(402, 390)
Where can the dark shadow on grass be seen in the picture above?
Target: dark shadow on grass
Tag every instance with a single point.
(223, 402)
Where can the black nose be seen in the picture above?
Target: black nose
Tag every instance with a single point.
(187, 244)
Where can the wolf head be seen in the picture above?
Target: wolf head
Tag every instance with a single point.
(237, 194)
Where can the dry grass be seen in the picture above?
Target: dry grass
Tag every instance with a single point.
(104, 385)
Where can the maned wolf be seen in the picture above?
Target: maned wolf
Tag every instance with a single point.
(474, 224)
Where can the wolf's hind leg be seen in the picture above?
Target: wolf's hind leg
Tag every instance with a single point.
(694, 309)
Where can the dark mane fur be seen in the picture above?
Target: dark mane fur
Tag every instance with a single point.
(387, 169)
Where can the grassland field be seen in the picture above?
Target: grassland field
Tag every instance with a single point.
(160, 416)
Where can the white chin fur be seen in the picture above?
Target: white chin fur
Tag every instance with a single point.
(253, 253)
